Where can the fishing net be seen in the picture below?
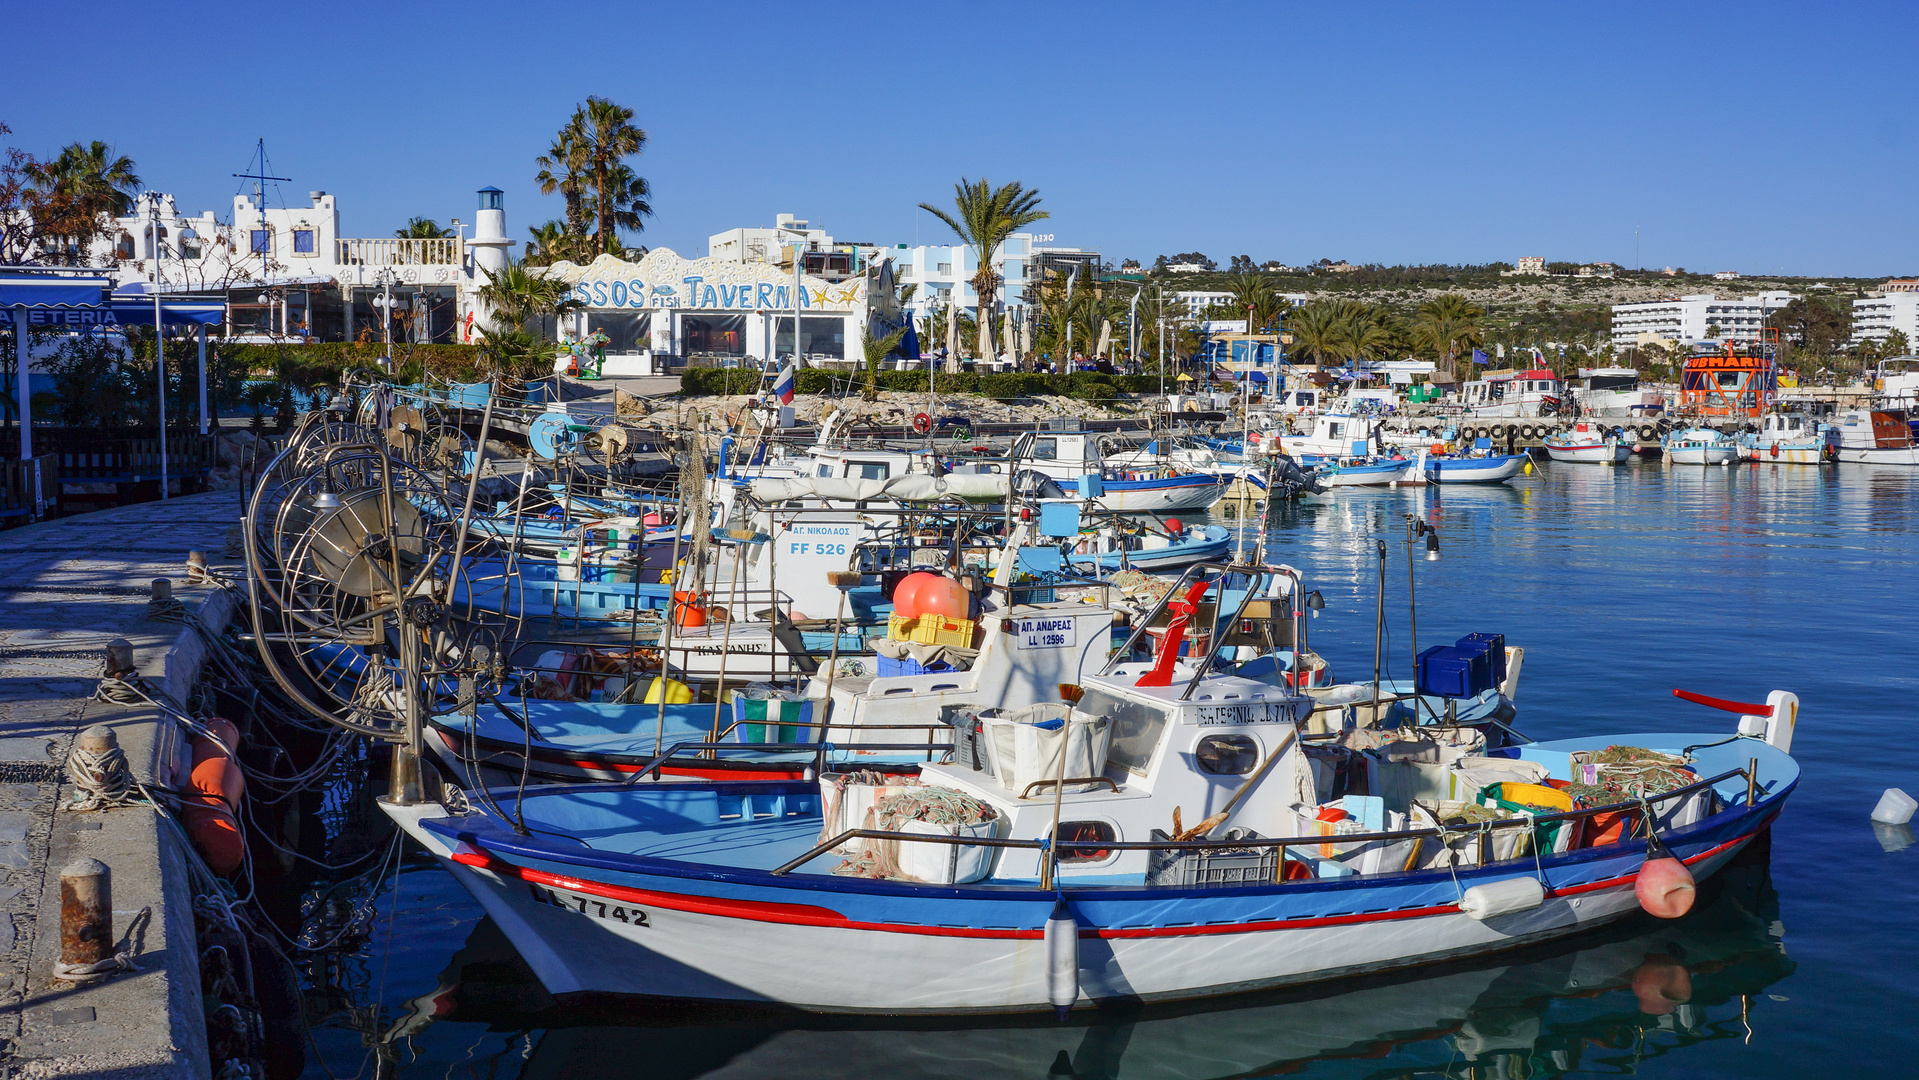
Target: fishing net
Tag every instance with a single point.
(879, 858)
(1625, 773)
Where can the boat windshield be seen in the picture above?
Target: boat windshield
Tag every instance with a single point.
(1137, 727)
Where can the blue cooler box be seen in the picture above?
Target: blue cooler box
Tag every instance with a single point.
(1495, 649)
(1450, 671)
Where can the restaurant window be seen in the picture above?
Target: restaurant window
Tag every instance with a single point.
(724, 335)
(626, 332)
(820, 336)
(262, 241)
(303, 241)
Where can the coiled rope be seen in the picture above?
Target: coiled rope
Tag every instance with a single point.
(103, 777)
(121, 960)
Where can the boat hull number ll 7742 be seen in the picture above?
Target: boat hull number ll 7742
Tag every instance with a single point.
(586, 905)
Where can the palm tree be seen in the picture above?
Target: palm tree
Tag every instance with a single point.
(983, 217)
(75, 194)
(1895, 344)
(560, 169)
(605, 137)
(518, 296)
(1445, 324)
(1319, 331)
(419, 228)
(550, 243)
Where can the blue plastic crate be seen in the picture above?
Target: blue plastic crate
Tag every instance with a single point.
(890, 667)
(1449, 671)
(1495, 651)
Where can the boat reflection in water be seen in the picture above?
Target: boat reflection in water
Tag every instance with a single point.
(1638, 990)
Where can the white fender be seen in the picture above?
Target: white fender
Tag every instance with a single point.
(1502, 897)
(1062, 959)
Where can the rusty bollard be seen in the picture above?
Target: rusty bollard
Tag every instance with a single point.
(196, 568)
(86, 921)
(119, 657)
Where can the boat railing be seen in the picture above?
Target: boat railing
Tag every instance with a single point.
(820, 749)
(1482, 831)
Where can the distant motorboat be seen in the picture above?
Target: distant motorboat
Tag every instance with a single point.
(1482, 468)
(1790, 438)
(1614, 391)
(1588, 442)
(1873, 437)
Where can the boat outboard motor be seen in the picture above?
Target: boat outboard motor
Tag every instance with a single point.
(1286, 471)
(1033, 484)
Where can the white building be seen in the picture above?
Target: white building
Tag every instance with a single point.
(287, 273)
(944, 274)
(775, 246)
(1197, 301)
(1874, 317)
(1527, 266)
(1694, 318)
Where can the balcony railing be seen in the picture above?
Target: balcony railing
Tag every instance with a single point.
(396, 252)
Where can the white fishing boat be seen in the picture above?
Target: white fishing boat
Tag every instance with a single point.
(1788, 438)
(1477, 466)
(1073, 462)
(1056, 869)
(1389, 472)
(1872, 437)
(1700, 446)
(1589, 441)
(1614, 391)
(1537, 392)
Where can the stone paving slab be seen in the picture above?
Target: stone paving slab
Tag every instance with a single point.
(67, 587)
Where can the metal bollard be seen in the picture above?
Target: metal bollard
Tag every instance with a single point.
(162, 590)
(99, 739)
(86, 916)
(196, 568)
(119, 657)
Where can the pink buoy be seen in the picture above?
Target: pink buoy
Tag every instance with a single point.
(1665, 887)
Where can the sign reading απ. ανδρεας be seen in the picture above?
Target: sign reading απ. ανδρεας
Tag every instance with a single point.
(1055, 633)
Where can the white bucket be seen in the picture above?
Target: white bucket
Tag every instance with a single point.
(947, 864)
(1022, 752)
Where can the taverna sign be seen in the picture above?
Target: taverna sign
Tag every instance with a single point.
(662, 279)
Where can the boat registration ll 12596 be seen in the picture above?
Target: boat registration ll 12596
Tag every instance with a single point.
(1054, 633)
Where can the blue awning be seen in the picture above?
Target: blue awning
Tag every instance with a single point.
(122, 313)
(1258, 376)
(46, 291)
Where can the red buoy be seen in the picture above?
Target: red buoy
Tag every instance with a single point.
(1665, 887)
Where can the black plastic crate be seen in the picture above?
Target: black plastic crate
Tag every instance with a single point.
(1212, 866)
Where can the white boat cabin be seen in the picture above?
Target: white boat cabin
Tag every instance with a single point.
(1514, 393)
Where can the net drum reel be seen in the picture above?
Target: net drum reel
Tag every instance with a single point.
(361, 587)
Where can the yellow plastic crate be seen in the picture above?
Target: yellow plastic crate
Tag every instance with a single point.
(931, 630)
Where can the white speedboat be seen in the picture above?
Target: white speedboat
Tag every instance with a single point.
(1590, 442)
(1873, 437)
(1700, 446)
(1483, 467)
(1614, 391)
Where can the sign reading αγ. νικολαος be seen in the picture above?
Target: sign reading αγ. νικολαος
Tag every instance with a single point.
(1250, 713)
(1047, 633)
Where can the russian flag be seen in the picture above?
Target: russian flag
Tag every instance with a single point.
(783, 385)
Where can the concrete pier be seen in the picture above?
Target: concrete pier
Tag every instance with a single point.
(68, 587)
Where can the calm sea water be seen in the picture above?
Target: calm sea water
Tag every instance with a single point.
(1621, 583)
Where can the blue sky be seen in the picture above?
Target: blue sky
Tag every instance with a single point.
(1755, 137)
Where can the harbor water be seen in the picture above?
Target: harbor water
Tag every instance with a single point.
(1621, 584)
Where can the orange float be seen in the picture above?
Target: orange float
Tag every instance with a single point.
(923, 593)
(211, 806)
(1664, 888)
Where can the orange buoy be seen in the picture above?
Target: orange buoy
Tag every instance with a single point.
(1665, 887)
(214, 772)
(1661, 984)
(925, 593)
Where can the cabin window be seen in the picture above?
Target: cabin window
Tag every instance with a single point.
(1045, 449)
(1730, 379)
(1333, 430)
(1227, 755)
(866, 470)
(826, 470)
(303, 241)
(1136, 728)
(1091, 832)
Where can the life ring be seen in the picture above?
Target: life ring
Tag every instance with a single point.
(1645, 431)
(1525, 431)
(922, 423)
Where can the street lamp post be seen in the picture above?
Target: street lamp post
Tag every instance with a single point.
(159, 340)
